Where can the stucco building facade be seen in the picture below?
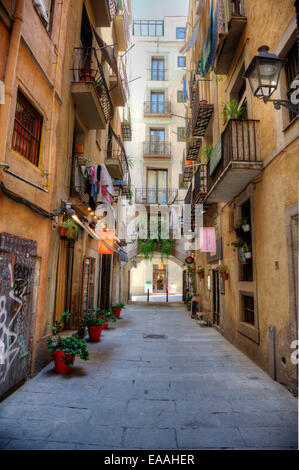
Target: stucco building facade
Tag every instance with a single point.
(250, 162)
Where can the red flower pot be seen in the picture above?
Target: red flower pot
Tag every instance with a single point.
(60, 366)
(201, 275)
(224, 276)
(62, 231)
(95, 333)
(86, 75)
(104, 327)
(117, 312)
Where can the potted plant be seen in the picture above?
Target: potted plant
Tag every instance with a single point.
(65, 348)
(201, 273)
(206, 152)
(230, 110)
(222, 269)
(94, 325)
(116, 309)
(86, 75)
(107, 315)
(72, 229)
(247, 250)
(238, 229)
(245, 225)
(63, 229)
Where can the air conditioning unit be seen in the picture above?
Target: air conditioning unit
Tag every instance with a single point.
(41, 9)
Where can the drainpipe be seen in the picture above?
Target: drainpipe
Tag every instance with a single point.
(10, 75)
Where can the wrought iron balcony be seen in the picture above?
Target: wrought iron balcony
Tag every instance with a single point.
(126, 124)
(119, 85)
(89, 88)
(188, 197)
(156, 108)
(200, 184)
(202, 109)
(155, 196)
(235, 160)
(237, 23)
(188, 169)
(116, 159)
(157, 149)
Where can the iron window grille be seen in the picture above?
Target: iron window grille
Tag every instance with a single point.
(292, 71)
(27, 130)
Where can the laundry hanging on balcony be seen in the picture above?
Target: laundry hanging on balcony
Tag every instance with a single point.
(209, 49)
(108, 237)
(207, 238)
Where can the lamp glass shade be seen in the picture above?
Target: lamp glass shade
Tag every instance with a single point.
(263, 74)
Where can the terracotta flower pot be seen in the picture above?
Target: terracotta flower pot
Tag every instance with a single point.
(62, 231)
(94, 332)
(60, 366)
(224, 276)
(203, 102)
(201, 275)
(86, 75)
(79, 148)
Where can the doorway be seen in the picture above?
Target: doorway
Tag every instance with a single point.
(159, 280)
(216, 299)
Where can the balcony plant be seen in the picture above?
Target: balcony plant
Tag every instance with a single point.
(201, 272)
(238, 229)
(65, 348)
(247, 250)
(230, 110)
(72, 229)
(117, 308)
(206, 153)
(245, 224)
(222, 269)
(94, 325)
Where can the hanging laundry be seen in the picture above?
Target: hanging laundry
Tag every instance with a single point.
(207, 240)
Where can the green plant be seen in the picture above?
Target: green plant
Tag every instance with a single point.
(119, 305)
(130, 162)
(108, 315)
(71, 345)
(222, 268)
(244, 221)
(72, 228)
(200, 270)
(230, 110)
(247, 247)
(206, 152)
(91, 319)
(237, 244)
(146, 247)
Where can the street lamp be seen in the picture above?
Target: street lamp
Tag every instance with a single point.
(263, 74)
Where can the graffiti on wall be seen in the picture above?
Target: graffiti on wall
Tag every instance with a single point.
(17, 260)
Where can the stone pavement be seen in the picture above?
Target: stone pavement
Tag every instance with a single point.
(190, 390)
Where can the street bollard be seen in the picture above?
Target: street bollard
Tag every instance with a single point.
(147, 295)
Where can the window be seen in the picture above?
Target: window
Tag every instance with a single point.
(148, 28)
(180, 96)
(45, 10)
(157, 186)
(180, 33)
(157, 142)
(246, 271)
(157, 70)
(248, 309)
(291, 71)
(181, 61)
(157, 103)
(27, 130)
(181, 133)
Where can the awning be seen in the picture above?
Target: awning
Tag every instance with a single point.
(93, 234)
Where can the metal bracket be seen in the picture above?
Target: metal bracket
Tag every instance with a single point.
(287, 104)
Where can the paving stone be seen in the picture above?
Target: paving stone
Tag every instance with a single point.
(26, 444)
(148, 438)
(87, 434)
(209, 437)
(3, 443)
(274, 437)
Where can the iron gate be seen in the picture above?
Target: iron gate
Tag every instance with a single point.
(17, 264)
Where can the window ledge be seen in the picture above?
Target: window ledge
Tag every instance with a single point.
(250, 331)
(295, 119)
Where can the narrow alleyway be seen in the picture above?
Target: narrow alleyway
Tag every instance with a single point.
(189, 389)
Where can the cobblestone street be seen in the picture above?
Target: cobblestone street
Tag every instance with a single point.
(190, 389)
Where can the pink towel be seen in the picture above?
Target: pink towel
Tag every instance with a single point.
(207, 239)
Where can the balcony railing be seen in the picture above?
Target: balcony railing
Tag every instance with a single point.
(202, 109)
(157, 148)
(116, 158)
(237, 23)
(87, 68)
(188, 197)
(235, 160)
(200, 184)
(155, 196)
(155, 107)
(126, 124)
